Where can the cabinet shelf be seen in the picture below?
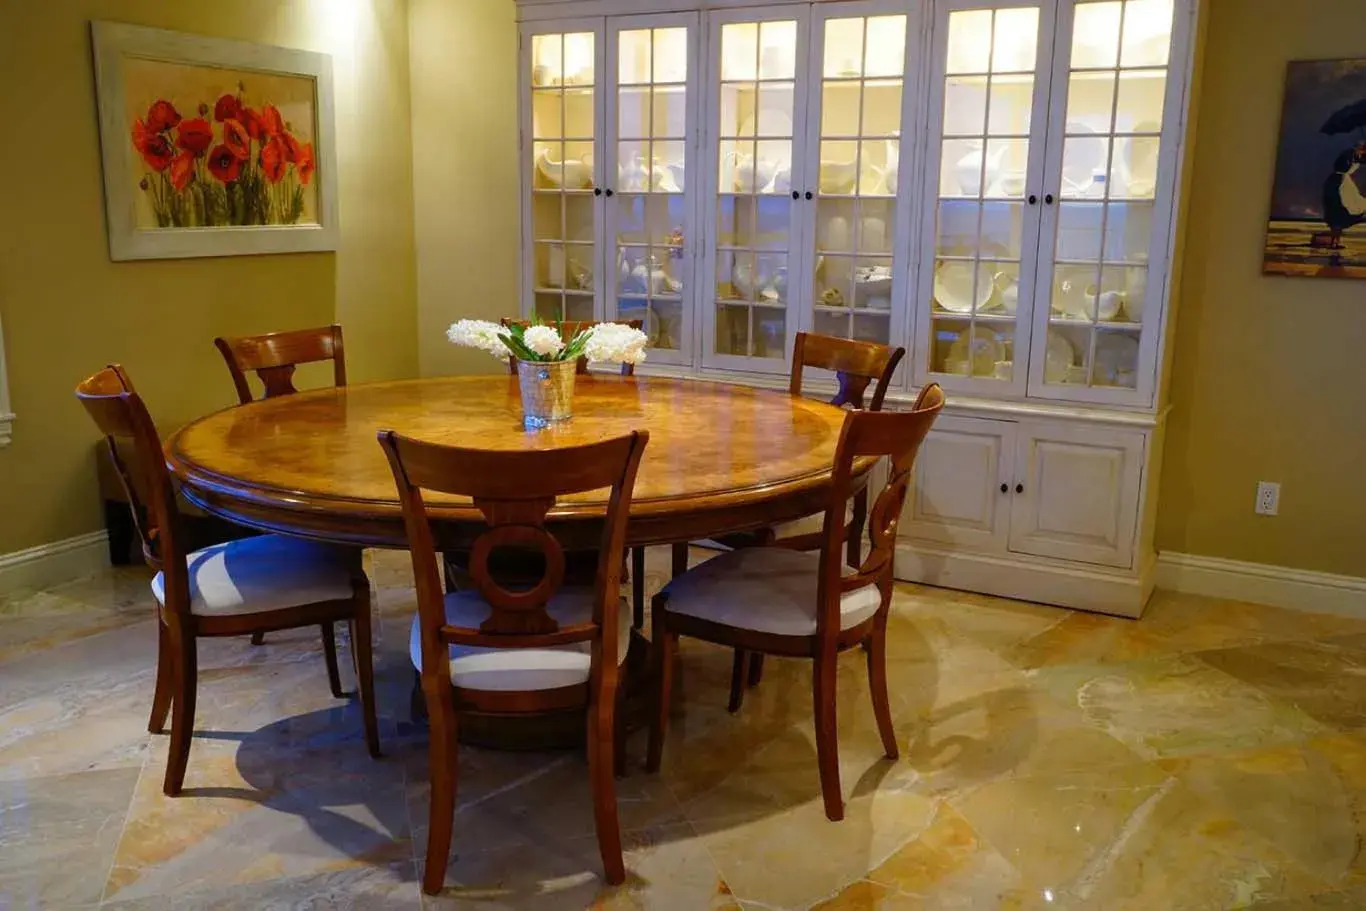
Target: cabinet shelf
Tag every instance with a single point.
(571, 292)
(1117, 325)
(859, 311)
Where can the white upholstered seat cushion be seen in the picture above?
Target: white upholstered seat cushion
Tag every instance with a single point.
(265, 573)
(522, 669)
(765, 589)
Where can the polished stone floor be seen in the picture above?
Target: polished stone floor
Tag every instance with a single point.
(1212, 755)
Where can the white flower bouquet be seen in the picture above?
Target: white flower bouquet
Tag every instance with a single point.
(543, 343)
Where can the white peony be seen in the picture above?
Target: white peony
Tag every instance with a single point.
(616, 343)
(544, 340)
(481, 334)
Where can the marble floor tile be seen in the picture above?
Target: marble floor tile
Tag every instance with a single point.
(1325, 679)
(371, 887)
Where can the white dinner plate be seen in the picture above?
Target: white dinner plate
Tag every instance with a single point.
(953, 287)
(1116, 354)
(1059, 358)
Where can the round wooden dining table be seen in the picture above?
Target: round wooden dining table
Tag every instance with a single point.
(721, 458)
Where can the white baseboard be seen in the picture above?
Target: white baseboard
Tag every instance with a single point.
(1259, 583)
(59, 561)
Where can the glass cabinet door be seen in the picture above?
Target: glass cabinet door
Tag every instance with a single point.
(853, 276)
(756, 86)
(1113, 103)
(988, 118)
(651, 119)
(562, 71)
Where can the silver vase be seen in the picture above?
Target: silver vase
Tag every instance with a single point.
(547, 391)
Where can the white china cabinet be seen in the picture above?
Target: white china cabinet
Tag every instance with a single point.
(991, 184)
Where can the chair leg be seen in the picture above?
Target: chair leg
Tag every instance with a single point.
(442, 753)
(185, 662)
(362, 651)
(601, 751)
(330, 654)
(619, 732)
(258, 638)
(756, 669)
(827, 734)
(638, 587)
(856, 524)
(165, 681)
(739, 676)
(877, 684)
(666, 645)
(679, 559)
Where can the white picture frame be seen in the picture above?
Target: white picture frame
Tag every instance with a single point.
(130, 237)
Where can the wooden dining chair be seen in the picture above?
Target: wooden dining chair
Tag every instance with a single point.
(856, 365)
(569, 329)
(539, 648)
(250, 585)
(794, 599)
(274, 357)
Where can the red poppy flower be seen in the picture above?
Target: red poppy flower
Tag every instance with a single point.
(271, 121)
(273, 159)
(235, 137)
(196, 135)
(223, 164)
(291, 147)
(155, 148)
(182, 169)
(226, 108)
(251, 119)
(305, 165)
(161, 116)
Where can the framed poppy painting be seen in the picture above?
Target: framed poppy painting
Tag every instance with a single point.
(213, 147)
(1318, 202)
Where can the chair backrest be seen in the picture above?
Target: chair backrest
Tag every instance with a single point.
(514, 491)
(569, 329)
(118, 411)
(896, 435)
(856, 364)
(274, 356)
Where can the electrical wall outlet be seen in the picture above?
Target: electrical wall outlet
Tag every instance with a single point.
(1268, 498)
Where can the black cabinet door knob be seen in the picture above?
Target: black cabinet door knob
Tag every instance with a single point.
(809, 194)
(1005, 488)
(597, 191)
(1048, 199)
(1019, 488)
(796, 194)
(609, 192)
(1033, 200)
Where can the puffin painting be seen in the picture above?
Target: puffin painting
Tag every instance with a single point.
(1344, 206)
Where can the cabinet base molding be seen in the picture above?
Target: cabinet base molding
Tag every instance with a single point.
(1121, 594)
(58, 561)
(1261, 583)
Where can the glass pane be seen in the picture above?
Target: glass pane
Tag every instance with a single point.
(774, 117)
(1095, 35)
(633, 113)
(772, 221)
(1142, 95)
(670, 113)
(956, 287)
(663, 216)
(734, 271)
(1128, 232)
(739, 51)
(956, 233)
(1122, 289)
(770, 278)
(1002, 228)
(547, 53)
(578, 218)
(633, 56)
(1079, 229)
(772, 170)
(1004, 296)
(732, 330)
(1147, 33)
(735, 222)
(965, 105)
(547, 114)
(834, 280)
(549, 266)
(840, 108)
(1090, 102)
(877, 163)
(770, 332)
(843, 47)
(1006, 163)
(961, 168)
(876, 226)
(1134, 171)
(1074, 291)
(833, 322)
(671, 55)
(1014, 46)
(1115, 360)
(839, 167)
(886, 51)
(578, 307)
(882, 108)
(578, 58)
(667, 170)
(549, 307)
(633, 169)
(873, 283)
(548, 159)
(546, 216)
(578, 113)
(1012, 105)
(873, 326)
(778, 50)
(630, 211)
(835, 225)
(948, 346)
(578, 270)
(1066, 355)
(986, 354)
(665, 324)
(969, 48)
(1084, 161)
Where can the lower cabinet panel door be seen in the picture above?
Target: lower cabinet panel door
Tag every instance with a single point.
(1076, 493)
(956, 494)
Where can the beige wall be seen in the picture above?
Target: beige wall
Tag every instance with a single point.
(67, 309)
(464, 88)
(1269, 377)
